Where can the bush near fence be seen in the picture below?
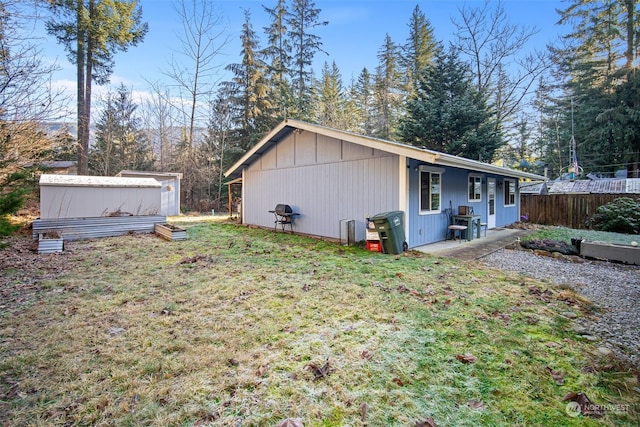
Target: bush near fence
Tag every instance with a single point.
(567, 210)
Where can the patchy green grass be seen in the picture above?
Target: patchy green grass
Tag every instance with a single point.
(564, 234)
(238, 326)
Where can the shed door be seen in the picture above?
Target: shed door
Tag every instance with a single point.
(491, 203)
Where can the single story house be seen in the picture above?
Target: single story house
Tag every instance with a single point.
(328, 176)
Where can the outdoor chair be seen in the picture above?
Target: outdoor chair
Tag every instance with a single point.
(453, 229)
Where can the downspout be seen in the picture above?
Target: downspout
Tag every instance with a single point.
(403, 192)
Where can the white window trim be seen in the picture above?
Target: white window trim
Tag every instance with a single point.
(515, 192)
(431, 170)
(474, 175)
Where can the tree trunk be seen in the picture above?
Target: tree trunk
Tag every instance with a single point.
(82, 150)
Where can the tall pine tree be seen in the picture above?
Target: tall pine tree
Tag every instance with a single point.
(121, 144)
(388, 93)
(419, 50)
(92, 32)
(598, 64)
(277, 56)
(302, 18)
(248, 90)
(449, 114)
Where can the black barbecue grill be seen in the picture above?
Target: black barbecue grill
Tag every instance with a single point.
(283, 215)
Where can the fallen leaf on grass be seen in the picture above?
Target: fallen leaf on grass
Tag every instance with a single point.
(261, 371)
(102, 405)
(291, 422)
(364, 408)
(466, 358)
(502, 316)
(205, 418)
(426, 422)
(540, 294)
(552, 344)
(398, 381)
(475, 404)
(586, 405)
(194, 259)
(556, 375)
(320, 372)
(366, 354)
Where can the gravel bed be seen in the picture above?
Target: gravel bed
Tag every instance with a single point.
(615, 288)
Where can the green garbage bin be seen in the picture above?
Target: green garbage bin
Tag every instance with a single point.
(390, 227)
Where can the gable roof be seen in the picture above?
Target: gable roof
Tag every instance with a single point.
(421, 154)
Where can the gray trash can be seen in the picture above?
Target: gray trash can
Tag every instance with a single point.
(390, 227)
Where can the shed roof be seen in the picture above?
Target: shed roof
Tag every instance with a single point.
(597, 186)
(96, 181)
(149, 174)
(533, 187)
(421, 154)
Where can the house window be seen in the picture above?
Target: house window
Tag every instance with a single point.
(429, 191)
(509, 192)
(475, 188)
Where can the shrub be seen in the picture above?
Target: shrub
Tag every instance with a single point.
(13, 190)
(622, 215)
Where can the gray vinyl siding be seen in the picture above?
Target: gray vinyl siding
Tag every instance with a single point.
(325, 180)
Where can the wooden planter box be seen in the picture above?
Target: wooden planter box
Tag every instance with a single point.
(170, 232)
(610, 251)
(50, 244)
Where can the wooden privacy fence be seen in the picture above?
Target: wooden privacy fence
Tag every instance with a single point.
(568, 210)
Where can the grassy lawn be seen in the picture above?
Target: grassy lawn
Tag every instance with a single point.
(245, 327)
(565, 234)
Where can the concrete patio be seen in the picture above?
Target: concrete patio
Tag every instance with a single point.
(496, 238)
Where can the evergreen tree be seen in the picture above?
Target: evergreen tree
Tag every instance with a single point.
(302, 18)
(388, 94)
(363, 98)
(419, 50)
(449, 114)
(248, 91)
(120, 142)
(598, 64)
(331, 106)
(92, 31)
(278, 59)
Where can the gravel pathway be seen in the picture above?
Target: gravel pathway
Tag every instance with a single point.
(613, 287)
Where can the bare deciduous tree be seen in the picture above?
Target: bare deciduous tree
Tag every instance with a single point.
(194, 73)
(27, 96)
(495, 50)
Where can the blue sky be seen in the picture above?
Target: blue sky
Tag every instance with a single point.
(355, 33)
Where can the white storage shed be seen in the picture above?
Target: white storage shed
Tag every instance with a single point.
(78, 196)
(169, 193)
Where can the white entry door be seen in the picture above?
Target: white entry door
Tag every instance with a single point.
(491, 203)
